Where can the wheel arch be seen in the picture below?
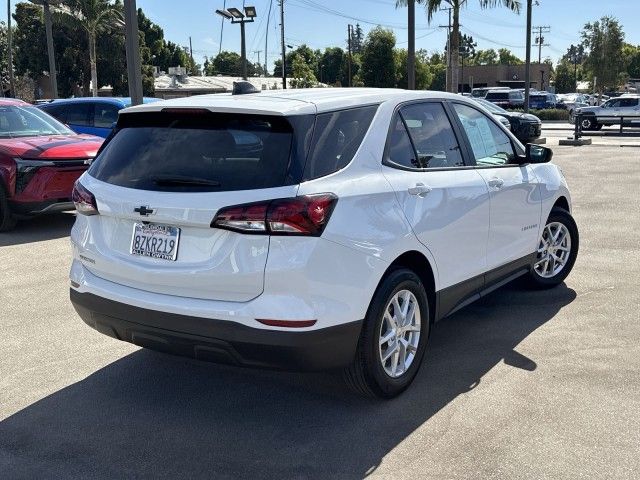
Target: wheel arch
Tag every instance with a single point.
(562, 202)
(420, 265)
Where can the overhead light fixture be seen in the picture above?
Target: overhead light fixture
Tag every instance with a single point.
(250, 12)
(237, 14)
(225, 14)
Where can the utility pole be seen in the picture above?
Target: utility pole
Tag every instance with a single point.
(411, 51)
(540, 40)
(12, 85)
(266, 40)
(191, 54)
(527, 64)
(53, 76)
(134, 67)
(284, 52)
(349, 30)
(224, 7)
(258, 52)
(448, 59)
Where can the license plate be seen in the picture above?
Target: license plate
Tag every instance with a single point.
(155, 241)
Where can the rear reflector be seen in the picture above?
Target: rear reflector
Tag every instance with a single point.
(305, 215)
(84, 200)
(288, 323)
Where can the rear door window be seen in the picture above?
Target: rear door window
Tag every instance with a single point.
(207, 152)
(336, 139)
(105, 115)
(79, 114)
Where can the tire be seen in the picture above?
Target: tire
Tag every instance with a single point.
(548, 274)
(589, 123)
(7, 220)
(368, 374)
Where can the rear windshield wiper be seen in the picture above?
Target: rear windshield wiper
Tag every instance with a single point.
(168, 181)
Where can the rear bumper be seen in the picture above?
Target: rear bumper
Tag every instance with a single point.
(38, 208)
(220, 341)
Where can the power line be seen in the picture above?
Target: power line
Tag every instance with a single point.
(311, 5)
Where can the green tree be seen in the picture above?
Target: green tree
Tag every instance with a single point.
(378, 62)
(226, 63)
(357, 39)
(424, 77)
(604, 39)
(302, 73)
(631, 58)
(439, 80)
(4, 70)
(432, 6)
(330, 63)
(564, 78)
(485, 57)
(95, 17)
(506, 57)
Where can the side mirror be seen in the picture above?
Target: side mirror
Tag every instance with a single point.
(537, 154)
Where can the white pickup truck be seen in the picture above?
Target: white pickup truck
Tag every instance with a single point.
(625, 109)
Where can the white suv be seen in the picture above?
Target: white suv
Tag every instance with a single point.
(311, 229)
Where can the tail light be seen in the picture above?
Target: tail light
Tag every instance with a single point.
(84, 200)
(305, 215)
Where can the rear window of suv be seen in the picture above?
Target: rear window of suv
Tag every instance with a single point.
(205, 151)
(197, 152)
(497, 96)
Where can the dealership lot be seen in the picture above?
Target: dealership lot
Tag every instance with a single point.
(518, 385)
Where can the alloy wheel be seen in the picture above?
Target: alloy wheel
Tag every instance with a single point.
(399, 333)
(554, 250)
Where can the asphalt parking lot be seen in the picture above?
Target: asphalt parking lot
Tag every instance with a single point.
(521, 384)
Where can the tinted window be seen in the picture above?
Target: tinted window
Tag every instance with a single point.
(399, 149)
(105, 115)
(57, 111)
(336, 139)
(490, 145)
(208, 152)
(431, 141)
(79, 114)
(497, 96)
(628, 102)
(516, 96)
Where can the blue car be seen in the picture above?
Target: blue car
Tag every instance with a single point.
(92, 115)
(542, 100)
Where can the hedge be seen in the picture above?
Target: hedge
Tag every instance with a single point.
(549, 114)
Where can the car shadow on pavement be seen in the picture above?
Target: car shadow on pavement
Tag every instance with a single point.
(38, 229)
(150, 415)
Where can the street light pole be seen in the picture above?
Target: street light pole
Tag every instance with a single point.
(134, 66)
(243, 52)
(236, 16)
(527, 65)
(411, 51)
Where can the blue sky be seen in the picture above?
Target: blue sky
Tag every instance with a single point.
(306, 23)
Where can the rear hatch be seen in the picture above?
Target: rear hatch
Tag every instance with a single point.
(158, 185)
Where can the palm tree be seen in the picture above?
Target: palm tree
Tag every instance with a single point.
(432, 6)
(95, 17)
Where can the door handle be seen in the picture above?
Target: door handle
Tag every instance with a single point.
(420, 190)
(496, 182)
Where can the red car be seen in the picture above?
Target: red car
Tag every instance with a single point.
(40, 160)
